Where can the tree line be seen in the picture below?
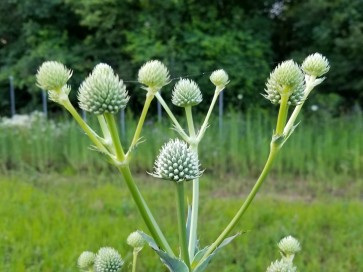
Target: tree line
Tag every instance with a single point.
(192, 37)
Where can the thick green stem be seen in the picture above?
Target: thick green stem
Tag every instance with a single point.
(149, 98)
(112, 127)
(281, 119)
(205, 123)
(90, 133)
(181, 222)
(144, 210)
(274, 148)
(195, 199)
(134, 259)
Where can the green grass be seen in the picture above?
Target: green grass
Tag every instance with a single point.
(47, 220)
(320, 147)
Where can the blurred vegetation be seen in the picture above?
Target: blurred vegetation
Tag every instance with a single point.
(246, 38)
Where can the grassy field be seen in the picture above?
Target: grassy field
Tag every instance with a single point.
(47, 220)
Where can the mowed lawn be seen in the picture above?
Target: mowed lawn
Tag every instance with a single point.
(47, 220)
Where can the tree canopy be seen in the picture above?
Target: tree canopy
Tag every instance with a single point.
(193, 38)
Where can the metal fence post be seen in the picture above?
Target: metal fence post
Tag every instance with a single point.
(12, 96)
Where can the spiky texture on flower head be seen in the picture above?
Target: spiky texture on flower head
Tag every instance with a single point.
(219, 78)
(108, 260)
(286, 79)
(186, 93)
(52, 76)
(315, 65)
(281, 266)
(176, 162)
(135, 240)
(102, 91)
(86, 260)
(289, 246)
(154, 75)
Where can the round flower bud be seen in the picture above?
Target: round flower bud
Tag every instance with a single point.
(135, 240)
(315, 65)
(108, 260)
(186, 93)
(176, 162)
(281, 266)
(154, 75)
(286, 79)
(52, 75)
(86, 260)
(219, 78)
(289, 246)
(102, 91)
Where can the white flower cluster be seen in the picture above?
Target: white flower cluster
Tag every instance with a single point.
(22, 121)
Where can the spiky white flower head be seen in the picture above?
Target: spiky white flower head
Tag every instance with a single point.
(281, 266)
(219, 78)
(315, 65)
(186, 93)
(135, 240)
(177, 162)
(86, 260)
(108, 260)
(289, 246)
(52, 76)
(286, 79)
(102, 91)
(154, 75)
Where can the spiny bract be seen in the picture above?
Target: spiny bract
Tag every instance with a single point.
(154, 75)
(176, 162)
(186, 93)
(315, 65)
(286, 79)
(52, 75)
(102, 91)
(108, 260)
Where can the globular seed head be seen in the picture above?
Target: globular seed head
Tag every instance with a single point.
(186, 93)
(108, 260)
(289, 246)
(135, 240)
(102, 91)
(281, 266)
(52, 75)
(286, 79)
(177, 162)
(315, 65)
(86, 260)
(154, 75)
(219, 78)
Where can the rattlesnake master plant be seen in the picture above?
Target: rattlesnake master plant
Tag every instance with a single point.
(103, 93)
(86, 261)
(286, 79)
(177, 162)
(154, 75)
(186, 93)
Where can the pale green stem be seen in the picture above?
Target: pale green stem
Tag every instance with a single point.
(309, 87)
(135, 192)
(149, 98)
(144, 210)
(281, 119)
(205, 123)
(181, 222)
(274, 148)
(90, 133)
(195, 199)
(172, 117)
(105, 131)
(134, 259)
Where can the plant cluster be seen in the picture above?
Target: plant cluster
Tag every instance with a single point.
(103, 93)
